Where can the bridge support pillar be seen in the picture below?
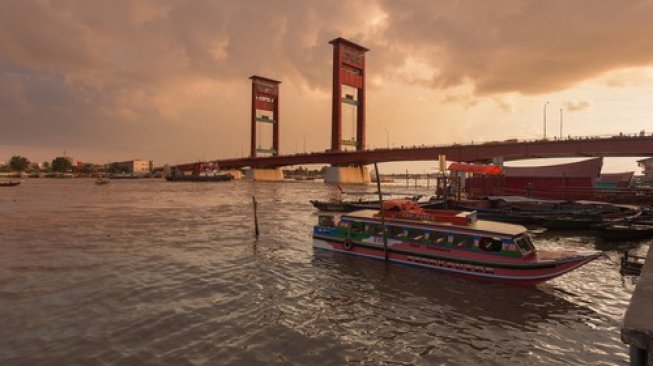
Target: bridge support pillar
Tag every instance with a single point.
(237, 174)
(498, 161)
(347, 175)
(265, 175)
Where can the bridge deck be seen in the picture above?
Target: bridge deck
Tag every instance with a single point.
(484, 152)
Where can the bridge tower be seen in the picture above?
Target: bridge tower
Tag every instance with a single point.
(348, 71)
(265, 98)
(265, 111)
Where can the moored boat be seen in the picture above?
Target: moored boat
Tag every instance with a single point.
(349, 205)
(449, 241)
(625, 231)
(9, 184)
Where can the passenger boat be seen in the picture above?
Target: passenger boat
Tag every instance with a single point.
(448, 241)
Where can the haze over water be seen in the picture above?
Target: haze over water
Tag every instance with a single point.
(148, 272)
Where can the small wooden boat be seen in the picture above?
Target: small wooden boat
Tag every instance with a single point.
(625, 231)
(354, 205)
(102, 181)
(448, 241)
(9, 184)
(551, 214)
(631, 264)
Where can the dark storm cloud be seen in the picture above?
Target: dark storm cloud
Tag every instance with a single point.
(525, 46)
(522, 46)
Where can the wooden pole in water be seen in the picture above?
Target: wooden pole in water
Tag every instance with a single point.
(255, 217)
(407, 183)
(382, 211)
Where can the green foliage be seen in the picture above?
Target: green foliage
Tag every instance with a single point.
(61, 164)
(34, 167)
(87, 168)
(18, 163)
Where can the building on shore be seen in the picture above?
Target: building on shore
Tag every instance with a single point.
(580, 174)
(131, 167)
(647, 166)
(552, 181)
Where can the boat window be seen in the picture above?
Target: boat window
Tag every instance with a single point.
(357, 226)
(372, 228)
(416, 234)
(490, 244)
(437, 237)
(344, 224)
(461, 240)
(525, 244)
(394, 231)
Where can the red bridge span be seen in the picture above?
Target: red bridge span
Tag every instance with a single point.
(614, 146)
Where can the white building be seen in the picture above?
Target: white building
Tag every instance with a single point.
(647, 165)
(132, 167)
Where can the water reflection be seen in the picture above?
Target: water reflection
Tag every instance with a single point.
(437, 310)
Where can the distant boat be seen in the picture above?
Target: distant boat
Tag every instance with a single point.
(102, 181)
(9, 184)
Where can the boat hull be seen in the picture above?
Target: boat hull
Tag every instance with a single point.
(625, 232)
(522, 274)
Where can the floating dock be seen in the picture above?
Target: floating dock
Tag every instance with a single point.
(637, 330)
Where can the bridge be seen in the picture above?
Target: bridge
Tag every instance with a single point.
(348, 166)
(633, 145)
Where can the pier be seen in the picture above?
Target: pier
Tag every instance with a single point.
(637, 330)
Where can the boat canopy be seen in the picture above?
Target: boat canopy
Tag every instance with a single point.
(476, 168)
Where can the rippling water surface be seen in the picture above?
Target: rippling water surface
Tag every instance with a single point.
(149, 272)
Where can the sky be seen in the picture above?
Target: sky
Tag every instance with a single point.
(168, 80)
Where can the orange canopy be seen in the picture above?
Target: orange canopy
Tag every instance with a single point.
(476, 169)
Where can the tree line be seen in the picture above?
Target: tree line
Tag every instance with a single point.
(59, 164)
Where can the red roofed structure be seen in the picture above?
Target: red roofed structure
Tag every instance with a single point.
(475, 168)
(538, 181)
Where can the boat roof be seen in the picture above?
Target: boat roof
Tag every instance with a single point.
(500, 228)
(512, 199)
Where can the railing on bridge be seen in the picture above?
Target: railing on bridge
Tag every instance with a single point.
(322, 156)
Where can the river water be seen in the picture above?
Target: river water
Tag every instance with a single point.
(148, 272)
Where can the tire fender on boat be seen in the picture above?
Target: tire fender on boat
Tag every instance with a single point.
(347, 244)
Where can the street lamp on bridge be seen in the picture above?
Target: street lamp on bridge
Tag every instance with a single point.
(560, 123)
(545, 104)
(387, 138)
